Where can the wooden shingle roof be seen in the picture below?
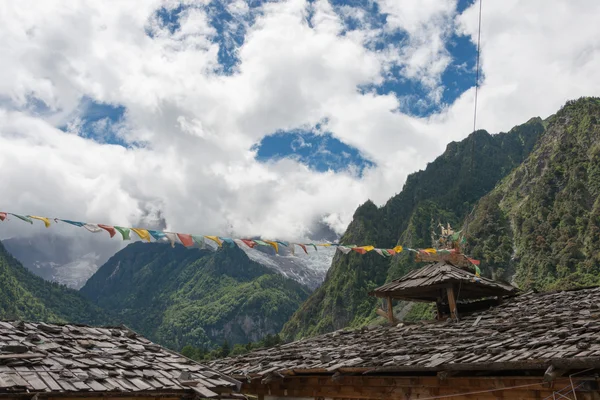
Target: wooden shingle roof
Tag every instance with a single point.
(67, 359)
(424, 284)
(529, 331)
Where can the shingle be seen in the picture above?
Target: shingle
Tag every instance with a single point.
(68, 358)
(523, 328)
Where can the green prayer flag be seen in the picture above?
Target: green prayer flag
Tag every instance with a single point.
(124, 232)
(21, 217)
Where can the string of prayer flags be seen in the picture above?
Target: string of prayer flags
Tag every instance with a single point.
(142, 233)
(188, 240)
(215, 239)
(124, 232)
(111, 231)
(45, 220)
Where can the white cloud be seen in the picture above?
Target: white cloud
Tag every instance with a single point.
(199, 126)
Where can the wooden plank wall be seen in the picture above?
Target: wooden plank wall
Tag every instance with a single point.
(405, 388)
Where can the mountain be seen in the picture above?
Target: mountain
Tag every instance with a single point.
(67, 260)
(178, 296)
(444, 192)
(542, 223)
(26, 296)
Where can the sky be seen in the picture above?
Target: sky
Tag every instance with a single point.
(263, 118)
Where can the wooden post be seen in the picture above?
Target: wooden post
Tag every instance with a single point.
(390, 310)
(452, 303)
(438, 306)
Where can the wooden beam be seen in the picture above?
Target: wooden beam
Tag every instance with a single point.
(452, 303)
(390, 310)
(381, 313)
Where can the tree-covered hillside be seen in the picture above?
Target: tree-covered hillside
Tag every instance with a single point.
(26, 296)
(542, 223)
(445, 191)
(196, 297)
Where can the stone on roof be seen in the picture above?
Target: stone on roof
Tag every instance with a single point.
(424, 284)
(64, 359)
(527, 332)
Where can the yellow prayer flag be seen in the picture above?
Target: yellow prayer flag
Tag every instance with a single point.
(368, 248)
(324, 245)
(398, 249)
(274, 244)
(142, 233)
(43, 219)
(215, 239)
(430, 251)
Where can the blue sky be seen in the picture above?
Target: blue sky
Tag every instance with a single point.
(314, 146)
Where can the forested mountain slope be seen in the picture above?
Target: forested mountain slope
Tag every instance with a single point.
(180, 296)
(542, 223)
(445, 191)
(26, 296)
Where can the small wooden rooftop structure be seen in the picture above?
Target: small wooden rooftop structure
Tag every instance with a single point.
(48, 361)
(442, 283)
(532, 346)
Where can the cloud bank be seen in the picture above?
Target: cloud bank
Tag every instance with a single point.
(195, 92)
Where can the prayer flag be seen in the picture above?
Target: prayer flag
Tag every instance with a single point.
(171, 237)
(124, 232)
(215, 239)
(111, 231)
(142, 233)
(157, 235)
(274, 244)
(249, 243)
(185, 239)
(92, 228)
(45, 220)
(199, 241)
(23, 218)
(398, 249)
(229, 241)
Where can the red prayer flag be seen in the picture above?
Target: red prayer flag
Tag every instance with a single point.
(391, 252)
(303, 247)
(2, 216)
(186, 240)
(249, 243)
(359, 250)
(111, 231)
(474, 262)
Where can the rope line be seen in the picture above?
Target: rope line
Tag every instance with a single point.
(477, 66)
